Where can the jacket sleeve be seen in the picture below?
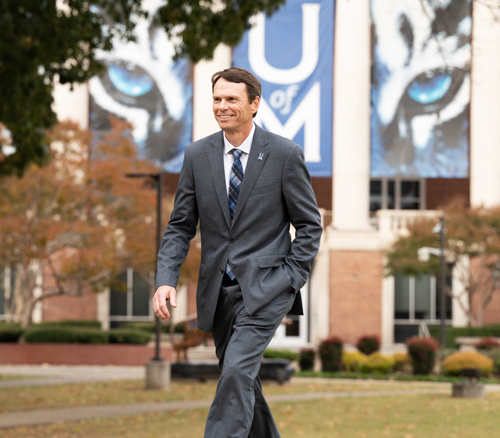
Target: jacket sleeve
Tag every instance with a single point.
(180, 230)
(304, 216)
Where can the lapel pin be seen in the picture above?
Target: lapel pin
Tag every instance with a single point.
(261, 156)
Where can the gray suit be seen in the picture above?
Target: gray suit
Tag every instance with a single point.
(275, 192)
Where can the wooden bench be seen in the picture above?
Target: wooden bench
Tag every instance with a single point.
(193, 337)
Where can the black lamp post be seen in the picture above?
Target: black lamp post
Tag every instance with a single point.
(424, 255)
(157, 178)
(442, 268)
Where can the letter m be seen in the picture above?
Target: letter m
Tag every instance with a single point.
(307, 114)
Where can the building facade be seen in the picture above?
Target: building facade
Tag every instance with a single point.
(363, 211)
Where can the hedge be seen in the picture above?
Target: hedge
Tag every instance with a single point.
(352, 360)
(271, 353)
(454, 332)
(455, 363)
(10, 332)
(57, 334)
(330, 353)
(77, 323)
(401, 361)
(368, 344)
(377, 363)
(422, 352)
(306, 359)
(151, 327)
(129, 336)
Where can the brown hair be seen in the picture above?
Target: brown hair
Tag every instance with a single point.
(238, 76)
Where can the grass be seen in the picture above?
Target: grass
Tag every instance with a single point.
(132, 391)
(4, 377)
(412, 416)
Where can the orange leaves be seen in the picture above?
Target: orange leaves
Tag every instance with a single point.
(80, 210)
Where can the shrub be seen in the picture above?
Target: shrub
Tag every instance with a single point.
(330, 354)
(64, 334)
(453, 332)
(487, 343)
(306, 359)
(455, 363)
(271, 353)
(149, 327)
(422, 352)
(129, 336)
(352, 360)
(401, 361)
(368, 344)
(494, 355)
(378, 364)
(10, 332)
(77, 323)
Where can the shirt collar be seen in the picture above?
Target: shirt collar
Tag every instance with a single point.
(244, 147)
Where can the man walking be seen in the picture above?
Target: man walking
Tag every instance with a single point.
(245, 186)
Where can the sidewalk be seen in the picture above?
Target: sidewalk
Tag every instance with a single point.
(36, 418)
(63, 374)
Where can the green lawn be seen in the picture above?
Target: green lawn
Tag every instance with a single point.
(132, 391)
(4, 377)
(411, 416)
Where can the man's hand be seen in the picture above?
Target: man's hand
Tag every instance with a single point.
(162, 294)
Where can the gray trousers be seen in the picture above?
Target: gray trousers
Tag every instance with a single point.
(239, 409)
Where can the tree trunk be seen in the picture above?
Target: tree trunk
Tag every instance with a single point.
(28, 314)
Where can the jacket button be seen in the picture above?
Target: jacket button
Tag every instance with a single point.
(231, 240)
(221, 271)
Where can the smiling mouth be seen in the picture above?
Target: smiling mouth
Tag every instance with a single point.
(224, 117)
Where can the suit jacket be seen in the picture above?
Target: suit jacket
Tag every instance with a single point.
(275, 192)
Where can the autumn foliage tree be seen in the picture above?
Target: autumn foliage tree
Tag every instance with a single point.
(472, 247)
(79, 219)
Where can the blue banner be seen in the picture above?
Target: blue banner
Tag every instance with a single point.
(421, 88)
(143, 85)
(291, 53)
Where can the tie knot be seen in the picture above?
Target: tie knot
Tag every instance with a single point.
(236, 153)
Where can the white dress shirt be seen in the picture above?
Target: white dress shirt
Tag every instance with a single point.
(229, 157)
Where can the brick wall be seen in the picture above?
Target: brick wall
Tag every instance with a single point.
(355, 294)
(491, 314)
(78, 354)
(70, 307)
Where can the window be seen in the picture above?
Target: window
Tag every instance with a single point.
(396, 194)
(417, 300)
(130, 298)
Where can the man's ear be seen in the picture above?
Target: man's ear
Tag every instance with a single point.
(255, 104)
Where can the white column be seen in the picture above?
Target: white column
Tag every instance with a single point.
(351, 116)
(387, 311)
(320, 294)
(37, 314)
(72, 105)
(103, 308)
(203, 119)
(485, 105)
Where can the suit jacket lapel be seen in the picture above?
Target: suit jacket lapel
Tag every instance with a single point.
(254, 166)
(216, 162)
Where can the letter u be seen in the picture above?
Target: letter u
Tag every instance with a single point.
(310, 49)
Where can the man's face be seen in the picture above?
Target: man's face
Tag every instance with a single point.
(231, 106)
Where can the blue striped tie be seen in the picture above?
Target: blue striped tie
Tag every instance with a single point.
(235, 180)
